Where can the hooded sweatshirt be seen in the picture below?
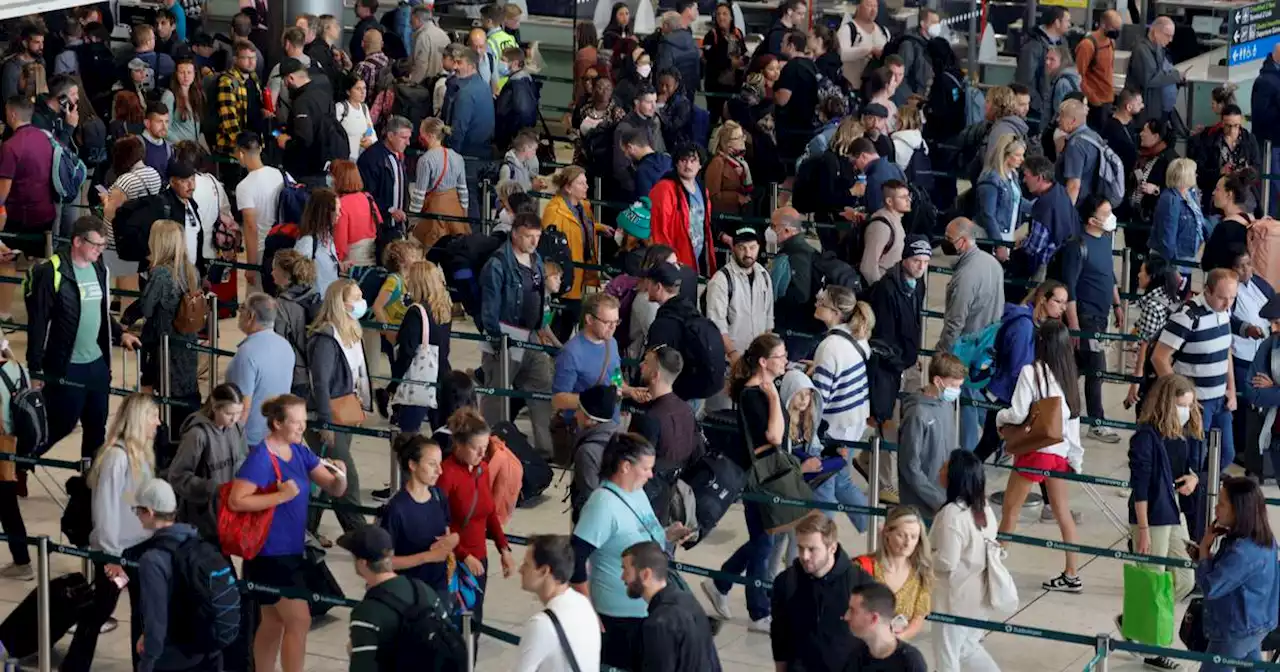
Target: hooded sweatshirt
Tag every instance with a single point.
(297, 307)
(808, 633)
(115, 525)
(927, 436)
(207, 457)
(794, 382)
(668, 329)
(1002, 127)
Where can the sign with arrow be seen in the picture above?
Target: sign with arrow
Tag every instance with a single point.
(1252, 32)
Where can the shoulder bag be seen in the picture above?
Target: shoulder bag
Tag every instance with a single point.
(1043, 425)
(423, 371)
(244, 533)
(775, 472)
(562, 431)
(673, 576)
(564, 640)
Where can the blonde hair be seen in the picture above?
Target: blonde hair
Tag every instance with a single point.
(333, 312)
(300, 269)
(1181, 175)
(131, 430)
(1000, 102)
(1159, 408)
(168, 249)
(847, 131)
(401, 254)
(801, 424)
(424, 281)
(565, 176)
(911, 116)
(722, 133)
(862, 321)
(508, 188)
(922, 557)
(1006, 145)
(434, 127)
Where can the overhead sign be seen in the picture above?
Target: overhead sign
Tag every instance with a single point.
(1252, 32)
(1072, 4)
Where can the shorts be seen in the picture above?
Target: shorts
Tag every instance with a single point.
(276, 571)
(1039, 460)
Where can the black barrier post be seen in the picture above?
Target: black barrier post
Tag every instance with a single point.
(469, 640)
(43, 634)
(86, 567)
(166, 410)
(504, 375)
(213, 341)
(1126, 267)
(1266, 180)
(486, 206)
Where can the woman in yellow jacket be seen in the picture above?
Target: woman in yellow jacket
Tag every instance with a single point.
(570, 213)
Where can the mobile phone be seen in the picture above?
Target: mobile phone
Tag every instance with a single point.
(121, 581)
(275, 132)
(328, 464)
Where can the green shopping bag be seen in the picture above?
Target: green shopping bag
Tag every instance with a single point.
(1148, 605)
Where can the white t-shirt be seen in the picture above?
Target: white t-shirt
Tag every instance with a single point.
(209, 196)
(191, 227)
(357, 123)
(540, 649)
(260, 191)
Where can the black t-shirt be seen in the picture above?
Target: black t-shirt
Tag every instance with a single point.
(753, 408)
(800, 77)
(906, 658)
(531, 297)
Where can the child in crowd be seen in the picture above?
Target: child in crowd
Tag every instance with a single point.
(520, 165)
(513, 198)
(554, 276)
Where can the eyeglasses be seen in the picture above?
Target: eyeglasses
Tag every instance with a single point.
(102, 245)
(607, 323)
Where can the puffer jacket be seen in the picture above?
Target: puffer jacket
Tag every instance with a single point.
(296, 308)
(581, 236)
(207, 457)
(678, 50)
(740, 303)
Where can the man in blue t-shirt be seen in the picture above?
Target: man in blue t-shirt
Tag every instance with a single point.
(591, 358)
(1089, 274)
(263, 365)
(877, 169)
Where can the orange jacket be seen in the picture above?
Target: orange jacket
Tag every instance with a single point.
(669, 222)
(559, 214)
(506, 476)
(1096, 63)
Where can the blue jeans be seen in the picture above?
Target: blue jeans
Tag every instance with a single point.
(751, 558)
(1274, 184)
(972, 419)
(83, 399)
(1216, 416)
(1240, 648)
(410, 418)
(839, 489)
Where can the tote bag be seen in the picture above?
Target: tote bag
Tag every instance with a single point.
(1148, 605)
(1042, 427)
(776, 472)
(425, 367)
(1000, 592)
(244, 533)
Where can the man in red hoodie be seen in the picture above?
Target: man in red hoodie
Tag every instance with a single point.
(680, 214)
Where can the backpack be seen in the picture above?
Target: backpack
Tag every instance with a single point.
(77, 519)
(856, 243)
(806, 195)
(29, 413)
(554, 247)
(829, 269)
(462, 257)
(977, 350)
(1263, 242)
(281, 236)
(975, 103)
(205, 587)
(69, 172)
(923, 218)
(1110, 179)
(424, 629)
(893, 42)
(293, 200)
(193, 312)
(131, 227)
(413, 102)
(334, 143)
(597, 149)
(716, 482)
(704, 363)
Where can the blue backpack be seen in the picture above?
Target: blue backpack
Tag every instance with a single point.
(69, 172)
(977, 351)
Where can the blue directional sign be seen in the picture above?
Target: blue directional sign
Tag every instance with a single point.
(1252, 32)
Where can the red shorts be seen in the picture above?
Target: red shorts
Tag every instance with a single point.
(1039, 460)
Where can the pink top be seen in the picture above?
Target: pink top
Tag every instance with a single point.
(358, 220)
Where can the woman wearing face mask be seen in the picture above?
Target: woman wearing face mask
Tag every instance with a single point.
(1240, 581)
(724, 50)
(928, 432)
(1162, 475)
(633, 69)
(1233, 197)
(904, 564)
(728, 175)
(1054, 361)
(339, 376)
(212, 448)
(316, 241)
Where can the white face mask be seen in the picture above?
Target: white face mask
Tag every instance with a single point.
(1184, 415)
(358, 309)
(1109, 224)
(934, 30)
(644, 70)
(505, 217)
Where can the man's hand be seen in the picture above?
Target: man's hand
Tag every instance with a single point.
(858, 189)
(129, 342)
(1186, 485)
(677, 532)
(1149, 188)
(397, 214)
(140, 647)
(640, 395)
(1254, 331)
(1119, 315)
(73, 116)
(849, 213)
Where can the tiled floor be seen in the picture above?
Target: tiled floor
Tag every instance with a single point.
(507, 607)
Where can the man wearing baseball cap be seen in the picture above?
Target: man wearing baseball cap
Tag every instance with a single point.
(740, 300)
(311, 120)
(379, 628)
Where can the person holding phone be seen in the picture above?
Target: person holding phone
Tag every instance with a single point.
(1241, 581)
(284, 463)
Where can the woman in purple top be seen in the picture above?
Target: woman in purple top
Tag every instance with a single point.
(283, 460)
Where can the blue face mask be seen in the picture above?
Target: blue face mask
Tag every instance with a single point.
(911, 283)
(949, 394)
(504, 69)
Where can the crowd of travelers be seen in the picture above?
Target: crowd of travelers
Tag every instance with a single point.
(675, 333)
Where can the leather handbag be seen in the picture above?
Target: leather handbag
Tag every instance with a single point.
(1042, 427)
(347, 410)
(776, 472)
(244, 533)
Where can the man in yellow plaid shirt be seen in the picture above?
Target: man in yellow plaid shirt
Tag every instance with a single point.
(240, 101)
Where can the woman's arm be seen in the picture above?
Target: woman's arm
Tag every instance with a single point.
(380, 304)
(342, 233)
(182, 471)
(777, 422)
(333, 483)
(1020, 405)
(1164, 225)
(115, 198)
(244, 497)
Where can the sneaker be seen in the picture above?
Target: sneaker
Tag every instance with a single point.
(1103, 434)
(19, 572)
(1160, 663)
(719, 601)
(1046, 515)
(1064, 584)
(888, 495)
(382, 495)
(762, 625)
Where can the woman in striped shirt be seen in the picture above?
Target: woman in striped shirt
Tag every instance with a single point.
(135, 179)
(839, 368)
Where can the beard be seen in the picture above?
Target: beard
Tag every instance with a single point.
(635, 590)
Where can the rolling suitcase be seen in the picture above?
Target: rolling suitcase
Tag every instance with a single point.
(69, 595)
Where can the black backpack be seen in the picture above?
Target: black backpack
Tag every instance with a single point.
(29, 413)
(704, 363)
(205, 596)
(131, 227)
(554, 247)
(425, 629)
(597, 150)
(334, 143)
(463, 258)
(828, 269)
(77, 519)
(413, 102)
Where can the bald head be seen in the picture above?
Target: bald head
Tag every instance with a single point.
(1072, 114)
(962, 228)
(1161, 31)
(786, 222)
(1111, 20)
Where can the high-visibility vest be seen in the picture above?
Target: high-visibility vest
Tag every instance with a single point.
(498, 42)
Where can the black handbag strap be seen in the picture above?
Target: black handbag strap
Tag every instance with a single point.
(564, 640)
(639, 520)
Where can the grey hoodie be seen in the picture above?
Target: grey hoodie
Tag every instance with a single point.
(1004, 126)
(793, 382)
(207, 457)
(331, 375)
(296, 308)
(926, 439)
(588, 452)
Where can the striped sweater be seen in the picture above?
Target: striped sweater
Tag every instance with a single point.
(840, 375)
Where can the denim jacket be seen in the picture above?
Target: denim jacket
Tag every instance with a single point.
(1178, 226)
(998, 198)
(1241, 585)
(500, 289)
(1266, 400)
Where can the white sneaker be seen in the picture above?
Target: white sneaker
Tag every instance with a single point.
(719, 601)
(761, 625)
(19, 572)
(1104, 434)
